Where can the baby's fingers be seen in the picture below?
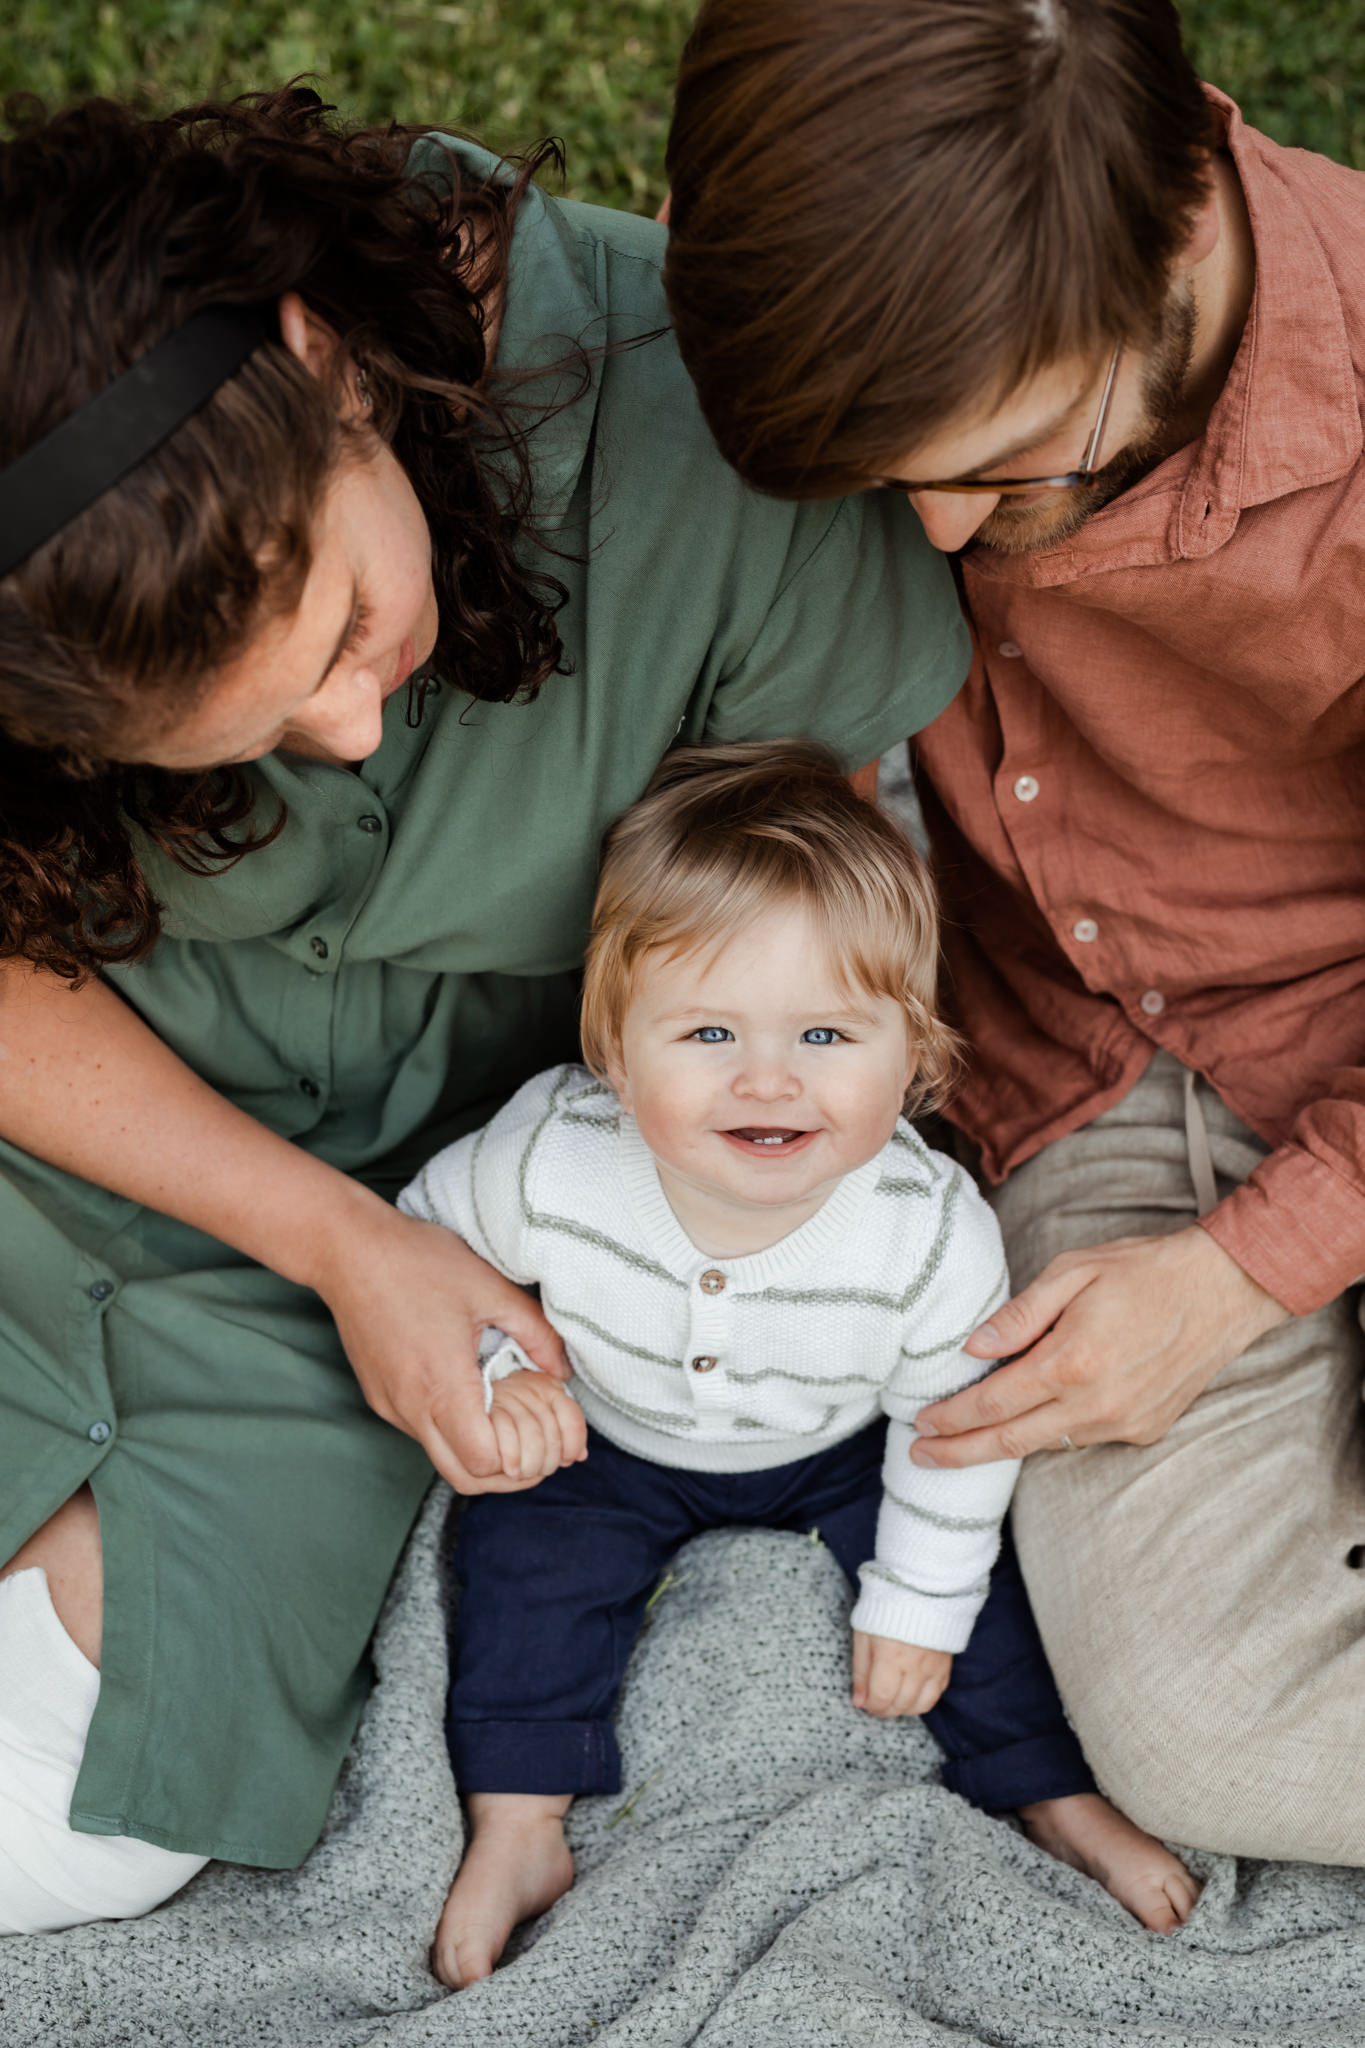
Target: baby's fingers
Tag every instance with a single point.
(925, 1696)
(573, 1428)
(508, 1437)
(862, 1659)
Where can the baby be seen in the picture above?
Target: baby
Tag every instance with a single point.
(754, 1261)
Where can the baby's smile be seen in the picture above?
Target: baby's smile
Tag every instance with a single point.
(767, 1138)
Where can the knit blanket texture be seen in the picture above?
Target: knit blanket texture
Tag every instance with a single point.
(781, 1872)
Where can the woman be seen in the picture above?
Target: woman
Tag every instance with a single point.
(272, 929)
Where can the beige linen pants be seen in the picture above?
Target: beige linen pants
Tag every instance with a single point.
(1202, 1600)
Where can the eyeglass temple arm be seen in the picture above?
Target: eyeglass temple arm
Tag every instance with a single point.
(1092, 446)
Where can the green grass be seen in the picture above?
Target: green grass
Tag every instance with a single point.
(597, 73)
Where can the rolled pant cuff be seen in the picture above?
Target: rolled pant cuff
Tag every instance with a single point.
(1049, 1766)
(534, 1756)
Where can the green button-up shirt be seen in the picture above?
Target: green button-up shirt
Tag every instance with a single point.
(373, 982)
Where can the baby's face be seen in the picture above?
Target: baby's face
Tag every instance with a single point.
(754, 1073)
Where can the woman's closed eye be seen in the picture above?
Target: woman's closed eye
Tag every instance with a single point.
(358, 626)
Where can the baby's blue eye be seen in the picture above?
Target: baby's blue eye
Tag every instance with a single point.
(821, 1034)
(713, 1034)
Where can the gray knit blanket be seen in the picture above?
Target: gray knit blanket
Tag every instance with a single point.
(781, 1872)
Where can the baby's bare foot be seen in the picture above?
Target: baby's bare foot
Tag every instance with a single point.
(517, 1864)
(1093, 1836)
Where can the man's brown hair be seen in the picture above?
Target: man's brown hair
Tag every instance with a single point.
(886, 212)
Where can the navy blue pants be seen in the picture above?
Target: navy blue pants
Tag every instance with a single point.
(553, 1584)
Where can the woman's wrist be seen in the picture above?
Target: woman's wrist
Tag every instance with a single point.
(331, 1233)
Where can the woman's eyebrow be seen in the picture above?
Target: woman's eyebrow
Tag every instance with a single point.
(346, 632)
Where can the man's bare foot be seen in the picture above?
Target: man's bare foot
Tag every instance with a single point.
(517, 1864)
(1093, 1836)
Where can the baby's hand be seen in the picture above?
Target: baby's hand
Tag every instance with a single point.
(891, 1678)
(538, 1424)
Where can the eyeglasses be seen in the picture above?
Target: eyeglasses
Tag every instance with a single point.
(1013, 486)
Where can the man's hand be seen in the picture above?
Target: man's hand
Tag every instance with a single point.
(538, 1424)
(1114, 1343)
(411, 1301)
(891, 1678)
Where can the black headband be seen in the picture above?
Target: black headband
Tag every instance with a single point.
(121, 425)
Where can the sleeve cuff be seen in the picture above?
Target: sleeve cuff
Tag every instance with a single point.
(1296, 1227)
(499, 1358)
(885, 1609)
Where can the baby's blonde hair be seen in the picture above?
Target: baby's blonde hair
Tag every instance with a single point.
(725, 833)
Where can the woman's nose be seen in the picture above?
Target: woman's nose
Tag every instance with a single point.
(347, 715)
(950, 518)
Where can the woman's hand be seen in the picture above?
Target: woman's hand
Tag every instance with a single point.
(891, 1678)
(1113, 1343)
(411, 1301)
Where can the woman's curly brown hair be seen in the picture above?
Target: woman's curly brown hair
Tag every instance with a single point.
(114, 229)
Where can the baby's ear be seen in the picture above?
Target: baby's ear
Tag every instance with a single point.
(618, 1080)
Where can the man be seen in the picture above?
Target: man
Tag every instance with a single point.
(1010, 259)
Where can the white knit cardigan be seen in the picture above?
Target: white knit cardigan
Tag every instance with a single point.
(738, 1364)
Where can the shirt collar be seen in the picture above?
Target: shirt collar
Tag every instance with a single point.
(550, 331)
(1287, 418)
(793, 1254)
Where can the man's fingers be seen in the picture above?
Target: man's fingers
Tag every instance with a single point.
(1022, 1320)
(1003, 1395)
(1041, 1429)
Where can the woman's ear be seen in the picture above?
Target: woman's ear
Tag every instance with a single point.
(318, 347)
(306, 336)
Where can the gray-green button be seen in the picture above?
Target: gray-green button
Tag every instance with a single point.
(319, 946)
(99, 1432)
(369, 823)
(309, 1087)
(101, 1290)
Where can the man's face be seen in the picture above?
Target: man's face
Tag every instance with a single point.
(1042, 430)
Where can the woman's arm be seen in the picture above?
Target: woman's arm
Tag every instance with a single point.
(87, 1086)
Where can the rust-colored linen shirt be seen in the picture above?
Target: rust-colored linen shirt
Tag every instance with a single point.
(1148, 803)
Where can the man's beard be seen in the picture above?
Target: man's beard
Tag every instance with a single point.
(1030, 529)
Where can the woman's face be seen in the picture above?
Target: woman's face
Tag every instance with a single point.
(315, 681)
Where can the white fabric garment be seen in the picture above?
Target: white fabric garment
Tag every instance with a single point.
(50, 1876)
(742, 1364)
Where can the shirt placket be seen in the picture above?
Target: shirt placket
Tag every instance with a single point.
(709, 1342)
(1030, 788)
(307, 1022)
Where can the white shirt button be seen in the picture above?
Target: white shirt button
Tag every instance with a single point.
(1010, 649)
(1152, 1002)
(1085, 929)
(1026, 788)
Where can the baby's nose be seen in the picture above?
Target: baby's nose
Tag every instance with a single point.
(767, 1080)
